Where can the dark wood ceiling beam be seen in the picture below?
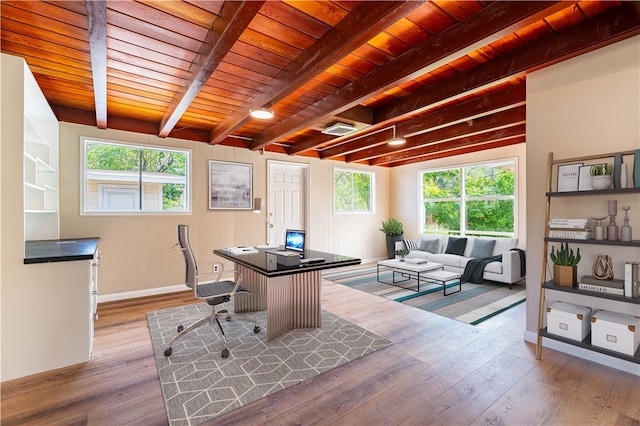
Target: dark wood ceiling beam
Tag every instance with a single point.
(608, 28)
(97, 21)
(226, 30)
(468, 110)
(367, 141)
(464, 150)
(483, 124)
(484, 27)
(427, 152)
(362, 23)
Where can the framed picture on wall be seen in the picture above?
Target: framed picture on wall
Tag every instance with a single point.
(568, 177)
(230, 185)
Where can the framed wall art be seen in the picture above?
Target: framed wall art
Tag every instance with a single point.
(230, 185)
(568, 177)
(584, 179)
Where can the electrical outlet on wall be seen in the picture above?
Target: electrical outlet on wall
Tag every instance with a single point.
(216, 268)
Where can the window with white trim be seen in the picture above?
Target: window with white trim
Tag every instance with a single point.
(471, 200)
(132, 179)
(352, 191)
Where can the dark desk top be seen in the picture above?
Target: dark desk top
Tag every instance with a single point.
(43, 251)
(266, 263)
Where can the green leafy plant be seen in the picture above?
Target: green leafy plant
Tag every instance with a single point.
(601, 169)
(565, 256)
(392, 227)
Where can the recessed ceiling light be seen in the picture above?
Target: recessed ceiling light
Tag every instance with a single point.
(261, 113)
(397, 141)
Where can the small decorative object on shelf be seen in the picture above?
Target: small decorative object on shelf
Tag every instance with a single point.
(625, 230)
(631, 280)
(598, 233)
(636, 168)
(612, 229)
(617, 166)
(603, 268)
(565, 264)
(568, 177)
(601, 176)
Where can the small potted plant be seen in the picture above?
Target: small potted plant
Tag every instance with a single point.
(401, 253)
(394, 232)
(565, 265)
(601, 176)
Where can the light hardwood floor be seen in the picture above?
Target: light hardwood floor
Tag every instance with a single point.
(438, 371)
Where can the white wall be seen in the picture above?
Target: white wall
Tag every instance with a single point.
(588, 105)
(137, 255)
(405, 195)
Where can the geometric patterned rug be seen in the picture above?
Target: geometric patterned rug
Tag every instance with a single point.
(473, 305)
(198, 384)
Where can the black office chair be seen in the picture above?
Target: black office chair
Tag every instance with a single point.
(210, 287)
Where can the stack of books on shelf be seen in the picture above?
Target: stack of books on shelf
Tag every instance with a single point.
(574, 229)
(632, 279)
(591, 283)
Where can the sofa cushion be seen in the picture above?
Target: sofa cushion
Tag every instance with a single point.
(452, 260)
(431, 246)
(456, 246)
(410, 244)
(504, 244)
(482, 247)
(495, 267)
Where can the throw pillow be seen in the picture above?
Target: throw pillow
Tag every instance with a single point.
(456, 246)
(431, 246)
(482, 248)
(410, 244)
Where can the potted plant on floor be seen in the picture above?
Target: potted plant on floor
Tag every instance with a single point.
(601, 176)
(565, 265)
(394, 232)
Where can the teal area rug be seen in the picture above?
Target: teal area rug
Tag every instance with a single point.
(198, 384)
(474, 304)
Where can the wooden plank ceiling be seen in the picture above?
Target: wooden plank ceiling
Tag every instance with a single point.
(448, 76)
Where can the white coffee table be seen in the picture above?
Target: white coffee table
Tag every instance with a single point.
(407, 271)
(443, 277)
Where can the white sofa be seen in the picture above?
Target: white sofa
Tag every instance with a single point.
(508, 271)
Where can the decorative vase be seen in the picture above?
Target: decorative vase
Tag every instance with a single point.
(623, 175)
(601, 182)
(636, 168)
(565, 275)
(617, 164)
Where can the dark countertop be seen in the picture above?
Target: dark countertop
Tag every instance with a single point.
(265, 262)
(43, 251)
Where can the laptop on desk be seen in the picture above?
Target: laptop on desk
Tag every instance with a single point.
(294, 241)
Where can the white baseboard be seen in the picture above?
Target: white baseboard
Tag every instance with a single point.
(140, 293)
(597, 357)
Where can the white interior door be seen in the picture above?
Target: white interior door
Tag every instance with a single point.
(287, 199)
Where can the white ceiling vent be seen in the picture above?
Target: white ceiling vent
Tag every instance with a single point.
(339, 129)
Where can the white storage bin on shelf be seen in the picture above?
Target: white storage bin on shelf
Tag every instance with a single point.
(568, 320)
(615, 331)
